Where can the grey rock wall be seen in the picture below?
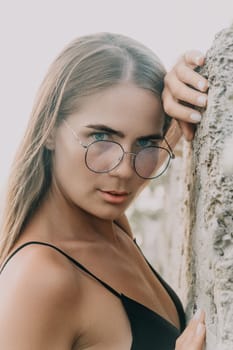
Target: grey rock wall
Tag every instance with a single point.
(211, 212)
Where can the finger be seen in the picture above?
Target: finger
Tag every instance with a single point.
(183, 92)
(194, 58)
(198, 317)
(190, 77)
(190, 330)
(197, 338)
(196, 342)
(178, 111)
(196, 328)
(193, 336)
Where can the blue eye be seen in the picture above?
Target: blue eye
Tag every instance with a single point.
(144, 143)
(99, 136)
(147, 143)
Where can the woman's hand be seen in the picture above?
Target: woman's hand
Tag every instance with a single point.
(193, 337)
(184, 90)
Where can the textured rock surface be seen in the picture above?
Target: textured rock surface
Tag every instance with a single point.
(211, 214)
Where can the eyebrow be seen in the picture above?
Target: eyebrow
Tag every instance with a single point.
(106, 128)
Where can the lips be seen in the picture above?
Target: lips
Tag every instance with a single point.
(114, 197)
(117, 193)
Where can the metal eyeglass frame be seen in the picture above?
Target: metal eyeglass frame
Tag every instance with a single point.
(169, 150)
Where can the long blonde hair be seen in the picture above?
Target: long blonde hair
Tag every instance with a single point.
(88, 64)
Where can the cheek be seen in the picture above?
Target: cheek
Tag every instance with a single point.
(137, 186)
(69, 166)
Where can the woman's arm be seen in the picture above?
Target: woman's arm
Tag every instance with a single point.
(184, 90)
(37, 303)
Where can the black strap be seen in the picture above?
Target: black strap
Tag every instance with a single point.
(67, 256)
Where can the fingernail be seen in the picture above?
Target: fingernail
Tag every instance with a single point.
(197, 314)
(199, 59)
(201, 85)
(200, 328)
(201, 100)
(195, 117)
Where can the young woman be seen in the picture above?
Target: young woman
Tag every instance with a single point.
(72, 275)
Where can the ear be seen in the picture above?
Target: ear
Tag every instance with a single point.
(50, 142)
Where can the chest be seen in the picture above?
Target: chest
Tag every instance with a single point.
(126, 271)
(121, 323)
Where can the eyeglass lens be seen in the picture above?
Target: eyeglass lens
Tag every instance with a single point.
(104, 156)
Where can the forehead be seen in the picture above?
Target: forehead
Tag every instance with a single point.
(123, 107)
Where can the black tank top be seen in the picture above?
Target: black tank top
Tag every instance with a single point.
(150, 331)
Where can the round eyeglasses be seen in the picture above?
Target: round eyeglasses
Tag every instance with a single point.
(102, 156)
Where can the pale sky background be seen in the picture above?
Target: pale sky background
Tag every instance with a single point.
(33, 32)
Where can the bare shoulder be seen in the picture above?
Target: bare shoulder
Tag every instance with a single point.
(40, 266)
(40, 294)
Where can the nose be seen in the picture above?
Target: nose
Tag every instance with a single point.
(125, 169)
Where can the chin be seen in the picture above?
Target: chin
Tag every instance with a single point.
(109, 214)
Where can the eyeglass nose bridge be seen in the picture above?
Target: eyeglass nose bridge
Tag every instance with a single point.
(121, 158)
(130, 153)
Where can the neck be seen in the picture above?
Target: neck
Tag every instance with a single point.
(59, 220)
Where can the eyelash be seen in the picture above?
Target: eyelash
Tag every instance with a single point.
(98, 133)
(152, 142)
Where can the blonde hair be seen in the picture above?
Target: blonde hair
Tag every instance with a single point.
(88, 64)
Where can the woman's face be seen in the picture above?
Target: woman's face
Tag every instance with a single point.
(123, 113)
